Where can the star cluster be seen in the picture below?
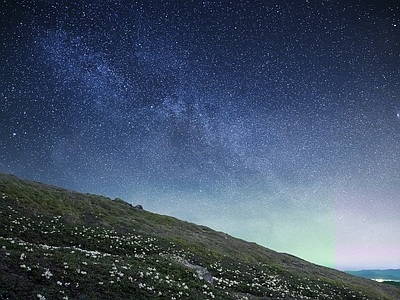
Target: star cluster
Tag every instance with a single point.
(275, 122)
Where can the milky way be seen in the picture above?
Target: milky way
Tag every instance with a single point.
(275, 122)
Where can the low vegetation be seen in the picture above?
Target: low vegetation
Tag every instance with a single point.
(60, 244)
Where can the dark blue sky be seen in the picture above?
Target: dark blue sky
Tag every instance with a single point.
(273, 121)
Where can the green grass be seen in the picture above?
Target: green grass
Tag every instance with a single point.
(394, 283)
(60, 244)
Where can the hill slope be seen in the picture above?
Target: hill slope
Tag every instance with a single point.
(60, 244)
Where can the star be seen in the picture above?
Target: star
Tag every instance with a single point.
(222, 114)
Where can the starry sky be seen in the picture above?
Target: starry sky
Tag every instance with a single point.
(275, 121)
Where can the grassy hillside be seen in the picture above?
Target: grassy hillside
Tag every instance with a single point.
(60, 244)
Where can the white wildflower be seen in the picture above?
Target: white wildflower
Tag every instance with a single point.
(47, 274)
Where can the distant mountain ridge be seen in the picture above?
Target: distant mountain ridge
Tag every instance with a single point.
(60, 244)
(388, 274)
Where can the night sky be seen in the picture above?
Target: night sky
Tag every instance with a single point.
(274, 121)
